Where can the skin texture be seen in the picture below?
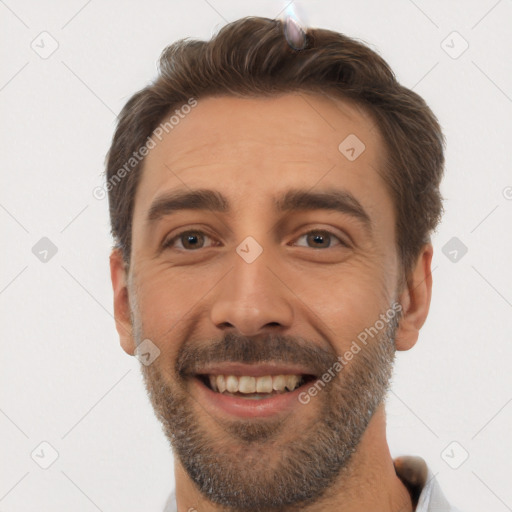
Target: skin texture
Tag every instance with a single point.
(303, 300)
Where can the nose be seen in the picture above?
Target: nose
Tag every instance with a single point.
(252, 299)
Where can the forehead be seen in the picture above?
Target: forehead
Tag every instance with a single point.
(253, 148)
(300, 120)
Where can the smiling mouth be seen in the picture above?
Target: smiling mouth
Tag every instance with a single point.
(255, 388)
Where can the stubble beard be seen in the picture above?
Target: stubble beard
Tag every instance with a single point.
(274, 465)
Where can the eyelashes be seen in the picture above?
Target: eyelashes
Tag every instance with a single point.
(194, 239)
(322, 234)
(191, 235)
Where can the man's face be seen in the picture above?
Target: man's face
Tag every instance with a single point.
(283, 287)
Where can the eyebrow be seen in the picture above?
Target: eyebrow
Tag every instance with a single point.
(334, 200)
(293, 200)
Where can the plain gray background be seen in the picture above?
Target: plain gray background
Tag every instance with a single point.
(64, 379)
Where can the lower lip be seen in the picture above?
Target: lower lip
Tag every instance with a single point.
(245, 407)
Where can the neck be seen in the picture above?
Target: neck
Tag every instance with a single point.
(369, 483)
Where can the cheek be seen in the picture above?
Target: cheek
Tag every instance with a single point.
(344, 301)
(168, 298)
(159, 320)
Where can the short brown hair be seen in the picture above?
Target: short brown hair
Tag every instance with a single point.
(251, 57)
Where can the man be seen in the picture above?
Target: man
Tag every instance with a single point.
(272, 195)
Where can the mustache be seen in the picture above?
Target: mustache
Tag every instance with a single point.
(253, 350)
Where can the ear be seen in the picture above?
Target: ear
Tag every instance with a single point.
(119, 277)
(415, 300)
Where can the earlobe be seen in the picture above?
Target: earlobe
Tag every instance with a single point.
(118, 275)
(415, 300)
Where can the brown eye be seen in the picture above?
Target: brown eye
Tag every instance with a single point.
(187, 240)
(320, 239)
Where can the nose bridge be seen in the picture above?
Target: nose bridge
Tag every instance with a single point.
(252, 298)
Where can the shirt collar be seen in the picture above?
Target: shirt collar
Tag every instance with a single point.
(426, 494)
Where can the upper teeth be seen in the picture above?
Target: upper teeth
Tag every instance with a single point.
(247, 384)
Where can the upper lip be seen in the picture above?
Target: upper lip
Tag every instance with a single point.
(254, 370)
